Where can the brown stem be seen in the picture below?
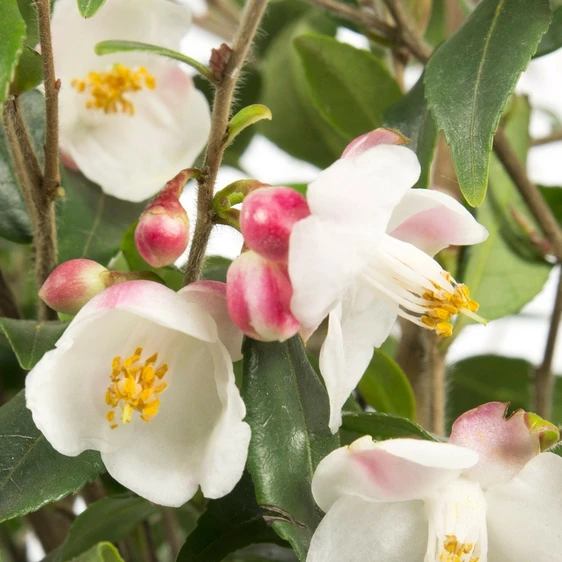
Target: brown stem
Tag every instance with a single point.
(219, 122)
(544, 379)
(553, 137)
(149, 540)
(436, 371)
(171, 530)
(50, 527)
(8, 306)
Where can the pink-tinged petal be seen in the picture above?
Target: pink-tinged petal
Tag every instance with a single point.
(258, 296)
(432, 221)
(211, 295)
(505, 444)
(355, 530)
(524, 515)
(374, 138)
(393, 470)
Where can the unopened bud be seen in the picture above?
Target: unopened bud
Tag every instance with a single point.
(258, 297)
(267, 218)
(72, 284)
(374, 138)
(162, 234)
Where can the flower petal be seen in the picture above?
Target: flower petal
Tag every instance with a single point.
(393, 470)
(524, 515)
(432, 221)
(211, 296)
(355, 530)
(505, 445)
(356, 326)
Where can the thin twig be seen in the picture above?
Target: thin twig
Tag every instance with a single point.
(8, 305)
(171, 530)
(436, 369)
(553, 137)
(149, 539)
(219, 122)
(544, 379)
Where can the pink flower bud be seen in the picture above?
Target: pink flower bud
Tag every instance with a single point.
(374, 138)
(162, 234)
(267, 218)
(258, 297)
(72, 284)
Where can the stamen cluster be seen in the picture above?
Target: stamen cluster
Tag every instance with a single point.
(455, 551)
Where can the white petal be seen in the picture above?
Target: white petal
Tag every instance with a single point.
(432, 221)
(132, 157)
(393, 470)
(364, 190)
(358, 531)
(211, 295)
(356, 326)
(524, 515)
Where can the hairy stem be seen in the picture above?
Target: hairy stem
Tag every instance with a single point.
(219, 122)
(553, 137)
(436, 368)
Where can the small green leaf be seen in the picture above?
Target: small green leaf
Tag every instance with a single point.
(113, 46)
(413, 119)
(246, 117)
(469, 78)
(89, 8)
(350, 87)
(384, 426)
(32, 473)
(228, 524)
(29, 72)
(12, 36)
(108, 519)
(215, 268)
(552, 39)
(103, 552)
(30, 339)
(553, 196)
(287, 409)
(385, 387)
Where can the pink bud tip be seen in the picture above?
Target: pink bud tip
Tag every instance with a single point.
(267, 218)
(258, 297)
(374, 138)
(72, 284)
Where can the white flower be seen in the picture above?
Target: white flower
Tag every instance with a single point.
(362, 257)
(141, 375)
(137, 119)
(488, 497)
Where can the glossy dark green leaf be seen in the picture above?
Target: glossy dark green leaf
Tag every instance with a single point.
(413, 119)
(469, 78)
(12, 36)
(89, 8)
(215, 268)
(552, 39)
(553, 196)
(287, 409)
(29, 15)
(30, 339)
(228, 524)
(108, 519)
(386, 388)
(29, 72)
(350, 87)
(32, 473)
(383, 426)
(103, 552)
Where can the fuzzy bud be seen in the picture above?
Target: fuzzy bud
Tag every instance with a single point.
(267, 218)
(72, 284)
(162, 234)
(258, 297)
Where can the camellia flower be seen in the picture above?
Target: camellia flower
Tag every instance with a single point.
(486, 496)
(128, 121)
(142, 376)
(363, 256)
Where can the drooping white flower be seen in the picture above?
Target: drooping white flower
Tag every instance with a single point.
(143, 376)
(486, 496)
(128, 121)
(363, 257)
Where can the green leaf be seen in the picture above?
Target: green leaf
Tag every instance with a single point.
(103, 552)
(469, 78)
(12, 36)
(30, 339)
(413, 119)
(350, 87)
(385, 387)
(29, 72)
(29, 15)
(384, 426)
(215, 268)
(288, 412)
(552, 39)
(89, 8)
(228, 524)
(108, 519)
(553, 196)
(499, 279)
(245, 117)
(32, 473)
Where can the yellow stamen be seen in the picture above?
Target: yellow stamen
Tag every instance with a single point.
(107, 89)
(132, 388)
(455, 551)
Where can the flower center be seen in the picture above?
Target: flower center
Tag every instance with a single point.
(134, 386)
(455, 551)
(107, 89)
